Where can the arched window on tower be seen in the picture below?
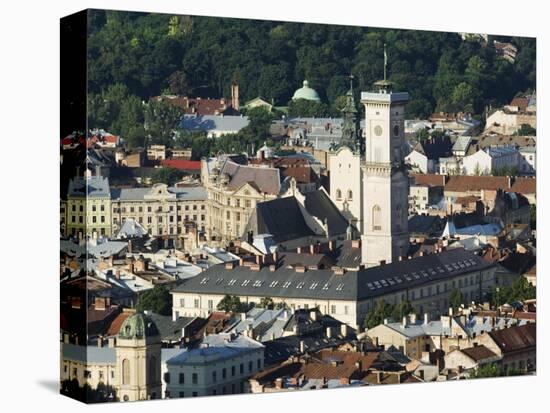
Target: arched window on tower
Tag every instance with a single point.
(376, 218)
(338, 194)
(125, 371)
(152, 369)
(350, 194)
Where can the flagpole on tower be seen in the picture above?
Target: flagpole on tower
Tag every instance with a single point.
(385, 61)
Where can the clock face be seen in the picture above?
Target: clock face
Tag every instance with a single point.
(396, 130)
(378, 130)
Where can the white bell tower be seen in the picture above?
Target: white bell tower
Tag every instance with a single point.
(385, 179)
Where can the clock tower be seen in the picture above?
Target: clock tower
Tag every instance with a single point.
(385, 179)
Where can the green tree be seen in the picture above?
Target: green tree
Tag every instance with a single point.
(422, 134)
(456, 299)
(162, 120)
(157, 299)
(233, 304)
(376, 316)
(267, 303)
(519, 290)
(402, 309)
(525, 130)
(168, 176)
(309, 108)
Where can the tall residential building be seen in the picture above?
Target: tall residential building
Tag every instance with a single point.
(386, 186)
(88, 207)
(234, 188)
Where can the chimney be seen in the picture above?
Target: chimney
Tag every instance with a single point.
(356, 243)
(385, 321)
(359, 365)
(404, 322)
(111, 342)
(129, 246)
(329, 332)
(422, 253)
(421, 374)
(302, 346)
(344, 381)
(117, 274)
(375, 342)
(344, 329)
(279, 383)
(339, 270)
(235, 95)
(312, 249)
(272, 267)
(379, 377)
(331, 245)
(99, 303)
(99, 342)
(426, 318)
(230, 265)
(450, 311)
(413, 318)
(259, 259)
(255, 267)
(299, 250)
(300, 269)
(274, 257)
(313, 315)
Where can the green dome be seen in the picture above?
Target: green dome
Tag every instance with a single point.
(305, 92)
(138, 326)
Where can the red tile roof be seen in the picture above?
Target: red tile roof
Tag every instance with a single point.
(182, 164)
(429, 179)
(524, 186)
(478, 353)
(517, 338)
(476, 183)
(117, 323)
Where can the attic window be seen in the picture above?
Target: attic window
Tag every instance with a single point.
(339, 287)
(245, 283)
(219, 281)
(205, 280)
(300, 285)
(232, 282)
(273, 283)
(326, 286)
(258, 283)
(287, 284)
(313, 286)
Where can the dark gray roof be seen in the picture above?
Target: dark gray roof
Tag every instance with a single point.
(319, 204)
(326, 284)
(169, 330)
(91, 187)
(281, 218)
(88, 354)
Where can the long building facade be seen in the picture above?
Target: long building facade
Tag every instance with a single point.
(426, 282)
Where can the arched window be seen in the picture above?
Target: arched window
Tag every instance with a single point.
(338, 194)
(376, 218)
(350, 194)
(152, 369)
(125, 371)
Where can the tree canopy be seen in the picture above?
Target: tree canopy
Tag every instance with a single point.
(156, 299)
(201, 56)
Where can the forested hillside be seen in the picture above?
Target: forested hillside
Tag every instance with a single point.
(134, 56)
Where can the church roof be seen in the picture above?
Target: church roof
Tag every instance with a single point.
(138, 326)
(305, 92)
